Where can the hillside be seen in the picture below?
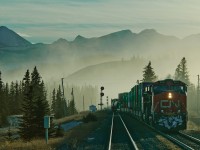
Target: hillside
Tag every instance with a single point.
(9, 38)
(119, 74)
(64, 57)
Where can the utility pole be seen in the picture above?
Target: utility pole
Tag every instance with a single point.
(63, 94)
(83, 104)
(198, 95)
(63, 87)
(107, 101)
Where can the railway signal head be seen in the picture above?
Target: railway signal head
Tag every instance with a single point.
(102, 94)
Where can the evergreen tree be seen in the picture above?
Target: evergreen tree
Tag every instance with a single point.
(1, 83)
(17, 99)
(27, 122)
(149, 74)
(72, 107)
(12, 101)
(34, 107)
(41, 106)
(3, 103)
(53, 104)
(59, 110)
(181, 72)
(169, 76)
(59, 105)
(1, 100)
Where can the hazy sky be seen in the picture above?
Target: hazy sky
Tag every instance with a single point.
(47, 20)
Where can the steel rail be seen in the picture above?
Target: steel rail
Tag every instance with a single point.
(191, 138)
(133, 142)
(109, 146)
(172, 139)
(179, 143)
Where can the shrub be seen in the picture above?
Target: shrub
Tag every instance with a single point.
(60, 131)
(89, 117)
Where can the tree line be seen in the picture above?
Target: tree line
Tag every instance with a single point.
(28, 98)
(181, 73)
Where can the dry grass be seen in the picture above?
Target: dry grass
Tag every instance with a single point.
(80, 132)
(73, 136)
(76, 117)
(167, 143)
(37, 144)
(192, 126)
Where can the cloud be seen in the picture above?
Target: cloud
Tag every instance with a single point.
(67, 18)
(23, 34)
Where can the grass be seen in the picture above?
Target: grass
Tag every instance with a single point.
(72, 137)
(192, 126)
(33, 145)
(76, 117)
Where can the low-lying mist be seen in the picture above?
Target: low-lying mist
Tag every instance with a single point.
(115, 61)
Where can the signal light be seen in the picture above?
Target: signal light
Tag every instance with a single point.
(170, 95)
(102, 94)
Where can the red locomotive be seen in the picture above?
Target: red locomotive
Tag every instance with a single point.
(162, 104)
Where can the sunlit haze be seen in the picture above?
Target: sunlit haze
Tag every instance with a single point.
(47, 20)
(174, 31)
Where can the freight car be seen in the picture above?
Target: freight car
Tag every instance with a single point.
(115, 105)
(162, 104)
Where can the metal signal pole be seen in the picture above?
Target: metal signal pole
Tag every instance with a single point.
(101, 95)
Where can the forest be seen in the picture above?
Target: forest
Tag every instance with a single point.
(30, 98)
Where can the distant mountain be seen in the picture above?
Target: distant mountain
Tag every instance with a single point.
(114, 70)
(9, 38)
(120, 43)
(16, 52)
(120, 74)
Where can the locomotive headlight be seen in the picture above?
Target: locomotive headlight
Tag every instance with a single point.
(170, 95)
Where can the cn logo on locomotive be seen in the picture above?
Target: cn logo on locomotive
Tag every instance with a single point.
(168, 104)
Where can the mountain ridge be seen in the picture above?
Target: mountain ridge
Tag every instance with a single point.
(11, 39)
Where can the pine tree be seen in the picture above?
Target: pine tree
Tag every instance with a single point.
(181, 72)
(72, 107)
(1, 83)
(58, 110)
(34, 107)
(12, 100)
(17, 98)
(149, 74)
(53, 104)
(59, 104)
(27, 122)
(41, 106)
(1, 100)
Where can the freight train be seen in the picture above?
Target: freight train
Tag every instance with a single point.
(162, 104)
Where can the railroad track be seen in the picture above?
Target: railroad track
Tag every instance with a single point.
(183, 140)
(120, 138)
